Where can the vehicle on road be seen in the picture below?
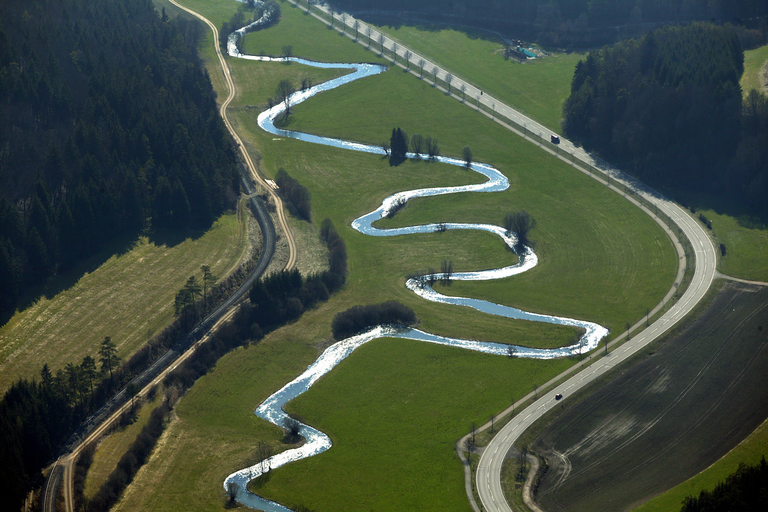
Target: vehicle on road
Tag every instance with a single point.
(555, 139)
(558, 396)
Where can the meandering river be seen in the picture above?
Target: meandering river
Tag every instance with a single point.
(272, 408)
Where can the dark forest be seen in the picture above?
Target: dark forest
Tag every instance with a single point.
(668, 109)
(563, 23)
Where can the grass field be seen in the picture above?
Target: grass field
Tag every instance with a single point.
(394, 403)
(667, 417)
(587, 255)
(536, 88)
(754, 60)
(127, 295)
(113, 446)
(746, 246)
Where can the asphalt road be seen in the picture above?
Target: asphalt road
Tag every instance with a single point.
(488, 474)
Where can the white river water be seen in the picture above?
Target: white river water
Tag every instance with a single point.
(272, 408)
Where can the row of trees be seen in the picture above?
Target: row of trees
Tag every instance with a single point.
(110, 125)
(399, 143)
(582, 23)
(131, 461)
(296, 195)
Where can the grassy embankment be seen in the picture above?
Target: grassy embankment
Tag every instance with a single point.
(427, 395)
(127, 295)
(537, 88)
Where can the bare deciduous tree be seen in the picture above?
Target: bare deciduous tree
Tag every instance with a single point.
(284, 90)
(434, 75)
(432, 147)
(356, 26)
(431, 276)
(381, 43)
(407, 56)
(394, 52)
(446, 268)
(293, 426)
(263, 452)
(417, 144)
(287, 51)
(448, 80)
(521, 224)
(233, 491)
(368, 32)
(422, 63)
(463, 92)
(511, 351)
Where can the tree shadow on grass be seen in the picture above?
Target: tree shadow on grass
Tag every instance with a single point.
(394, 161)
(68, 278)
(172, 238)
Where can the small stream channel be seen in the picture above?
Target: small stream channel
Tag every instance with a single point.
(272, 408)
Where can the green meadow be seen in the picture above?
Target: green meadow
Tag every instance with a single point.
(395, 408)
(537, 88)
(754, 63)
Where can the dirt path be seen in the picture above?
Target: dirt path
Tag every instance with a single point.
(252, 169)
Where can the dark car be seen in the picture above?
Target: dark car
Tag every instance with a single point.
(555, 139)
(558, 396)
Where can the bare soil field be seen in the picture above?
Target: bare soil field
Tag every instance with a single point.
(667, 418)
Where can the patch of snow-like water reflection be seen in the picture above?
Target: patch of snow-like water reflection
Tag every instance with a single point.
(272, 408)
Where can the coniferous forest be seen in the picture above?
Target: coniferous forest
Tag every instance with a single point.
(668, 108)
(108, 125)
(564, 23)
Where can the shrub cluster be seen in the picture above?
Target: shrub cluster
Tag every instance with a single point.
(295, 194)
(359, 318)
